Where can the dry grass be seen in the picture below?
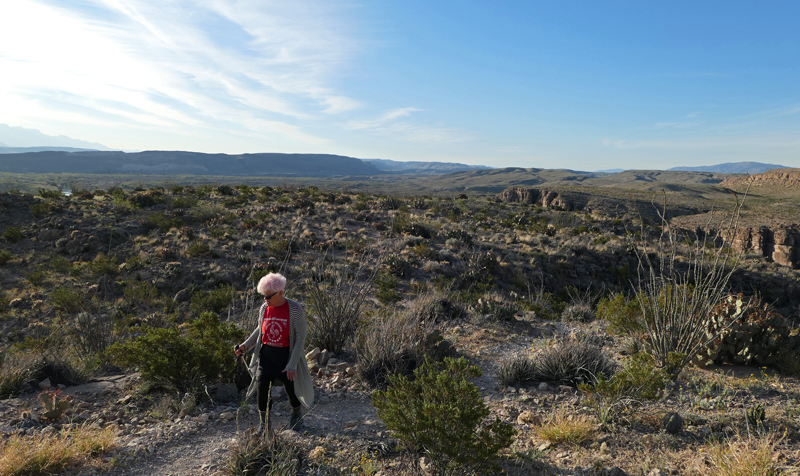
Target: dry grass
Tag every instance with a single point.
(562, 427)
(751, 456)
(52, 453)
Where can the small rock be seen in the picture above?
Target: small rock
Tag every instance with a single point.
(657, 472)
(425, 464)
(604, 449)
(324, 357)
(332, 361)
(543, 387)
(311, 356)
(529, 418)
(351, 371)
(226, 416)
(511, 389)
(45, 384)
(544, 446)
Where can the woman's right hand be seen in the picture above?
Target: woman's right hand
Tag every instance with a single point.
(237, 350)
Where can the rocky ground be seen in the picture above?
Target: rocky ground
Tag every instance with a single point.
(342, 433)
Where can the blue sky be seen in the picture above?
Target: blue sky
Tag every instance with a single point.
(584, 85)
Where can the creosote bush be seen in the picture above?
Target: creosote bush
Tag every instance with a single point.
(441, 412)
(184, 359)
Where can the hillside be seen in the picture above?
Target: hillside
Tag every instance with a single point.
(510, 281)
(178, 162)
(733, 168)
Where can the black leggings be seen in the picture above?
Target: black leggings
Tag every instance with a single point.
(271, 362)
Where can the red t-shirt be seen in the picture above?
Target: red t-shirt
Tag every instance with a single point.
(275, 326)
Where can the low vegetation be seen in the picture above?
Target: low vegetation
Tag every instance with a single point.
(494, 334)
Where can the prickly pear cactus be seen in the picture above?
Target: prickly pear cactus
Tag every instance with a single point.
(749, 333)
(54, 407)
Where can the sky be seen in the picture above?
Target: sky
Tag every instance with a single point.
(584, 85)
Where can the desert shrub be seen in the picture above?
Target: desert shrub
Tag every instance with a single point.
(163, 222)
(102, 265)
(747, 333)
(397, 265)
(579, 307)
(12, 234)
(225, 190)
(572, 360)
(386, 288)
(562, 428)
(460, 235)
(50, 194)
(51, 453)
(4, 302)
(182, 359)
(36, 278)
(516, 369)
(184, 202)
(143, 295)
(66, 299)
(336, 296)
(41, 210)
(623, 315)
(441, 412)
(15, 373)
(435, 306)
(216, 300)
(60, 264)
(639, 380)
(91, 333)
(254, 454)
(390, 344)
(146, 199)
(5, 257)
(496, 308)
(198, 248)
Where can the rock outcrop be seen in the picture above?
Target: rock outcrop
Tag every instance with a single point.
(545, 198)
(781, 244)
(773, 178)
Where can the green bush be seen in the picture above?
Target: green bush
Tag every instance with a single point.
(182, 359)
(441, 412)
(198, 248)
(60, 264)
(215, 300)
(5, 257)
(67, 300)
(50, 194)
(12, 234)
(624, 316)
(638, 381)
(102, 265)
(36, 278)
(145, 296)
(163, 222)
(386, 285)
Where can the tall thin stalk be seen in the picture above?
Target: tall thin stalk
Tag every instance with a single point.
(678, 291)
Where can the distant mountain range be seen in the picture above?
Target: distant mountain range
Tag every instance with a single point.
(11, 136)
(732, 168)
(421, 168)
(186, 163)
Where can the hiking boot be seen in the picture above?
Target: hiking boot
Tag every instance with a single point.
(295, 421)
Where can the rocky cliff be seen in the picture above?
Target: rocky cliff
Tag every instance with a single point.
(772, 178)
(780, 244)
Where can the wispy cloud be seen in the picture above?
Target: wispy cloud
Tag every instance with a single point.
(395, 123)
(201, 63)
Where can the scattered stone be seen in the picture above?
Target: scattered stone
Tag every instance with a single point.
(544, 446)
(529, 418)
(657, 472)
(312, 356)
(226, 416)
(543, 387)
(45, 384)
(324, 357)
